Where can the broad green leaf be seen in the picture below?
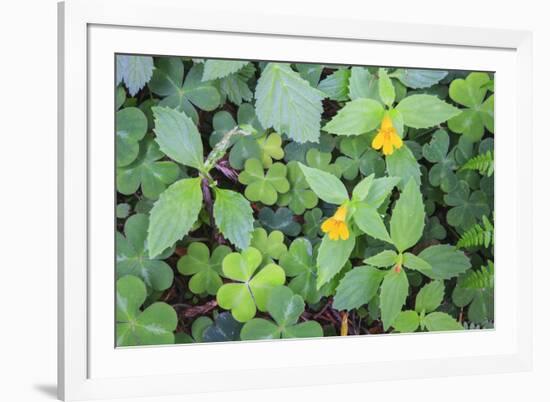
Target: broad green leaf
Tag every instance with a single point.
(430, 297)
(446, 261)
(299, 264)
(335, 85)
(282, 220)
(407, 221)
(265, 280)
(402, 164)
(259, 328)
(205, 269)
(214, 69)
(154, 326)
(321, 160)
(308, 329)
(333, 255)
(393, 292)
(423, 111)
(310, 72)
(264, 187)
(131, 126)
(134, 71)
(235, 86)
(357, 287)
(122, 210)
(441, 322)
(383, 259)
(386, 90)
(416, 78)
(178, 137)
(380, 189)
(132, 256)
(173, 214)
(362, 84)
(361, 189)
(369, 221)
(416, 263)
(224, 329)
(199, 326)
(234, 217)
(147, 171)
(284, 306)
(288, 103)
(357, 117)
(299, 197)
(406, 321)
(327, 187)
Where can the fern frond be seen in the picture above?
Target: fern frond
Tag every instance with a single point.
(482, 278)
(478, 235)
(483, 163)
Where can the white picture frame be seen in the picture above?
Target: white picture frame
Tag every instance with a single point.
(92, 32)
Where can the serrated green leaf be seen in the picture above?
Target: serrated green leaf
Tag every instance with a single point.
(357, 288)
(402, 164)
(446, 261)
(357, 117)
(441, 322)
(369, 221)
(430, 297)
(416, 263)
(335, 85)
(393, 293)
(134, 71)
(214, 69)
(407, 221)
(383, 259)
(173, 214)
(406, 321)
(327, 186)
(234, 217)
(416, 78)
(288, 103)
(333, 255)
(386, 90)
(362, 84)
(423, 111)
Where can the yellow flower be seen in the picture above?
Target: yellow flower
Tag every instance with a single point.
(336, 225)
(387, 137)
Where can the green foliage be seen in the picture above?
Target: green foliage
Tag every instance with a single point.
(479, 235)
(153, 326)
(257, 185)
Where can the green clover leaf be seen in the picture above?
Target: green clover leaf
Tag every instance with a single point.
(131, 126)
(299, 264)
(321, 160)
(154, 326)
(359, 156)
(224, 329)
(132, 255)
(282, 219)
(249, 292)
(471, 92)
(285, 308)
(270, 146)
(312, 223)
(147, 171)
(299, 197)
(271, 246)
(168, 82)
(466, 208)
(260, 187)
(205, 269)
(295, 151)
(442, 172)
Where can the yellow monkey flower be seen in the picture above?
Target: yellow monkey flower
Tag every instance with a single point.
(336, 225)
(387, 137)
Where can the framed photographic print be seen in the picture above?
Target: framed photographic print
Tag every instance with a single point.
(255, 198)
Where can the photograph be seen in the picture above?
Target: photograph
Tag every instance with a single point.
(267, 200)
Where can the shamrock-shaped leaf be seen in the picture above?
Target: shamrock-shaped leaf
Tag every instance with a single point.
(312, 223)
(285, 308)
(205, 269)
(467, 208)
(147, 171)
(288, 103)
(471, 92)
(282, 219)
(295, 151)
(299, 197)
(359, 156)
(131, 126)
(132, 255)
(321, 160)
(271, 246)
(134, 71)
(167, 81)
(299, 264)
(260, 187)
(270, 146)
(224, 329)
(442, 173)
(154, 326)
(250, 291)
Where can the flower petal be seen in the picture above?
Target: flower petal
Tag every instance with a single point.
(388, 148)
(378, 141)
(328, 225)
(343, 231)
(396, 141)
